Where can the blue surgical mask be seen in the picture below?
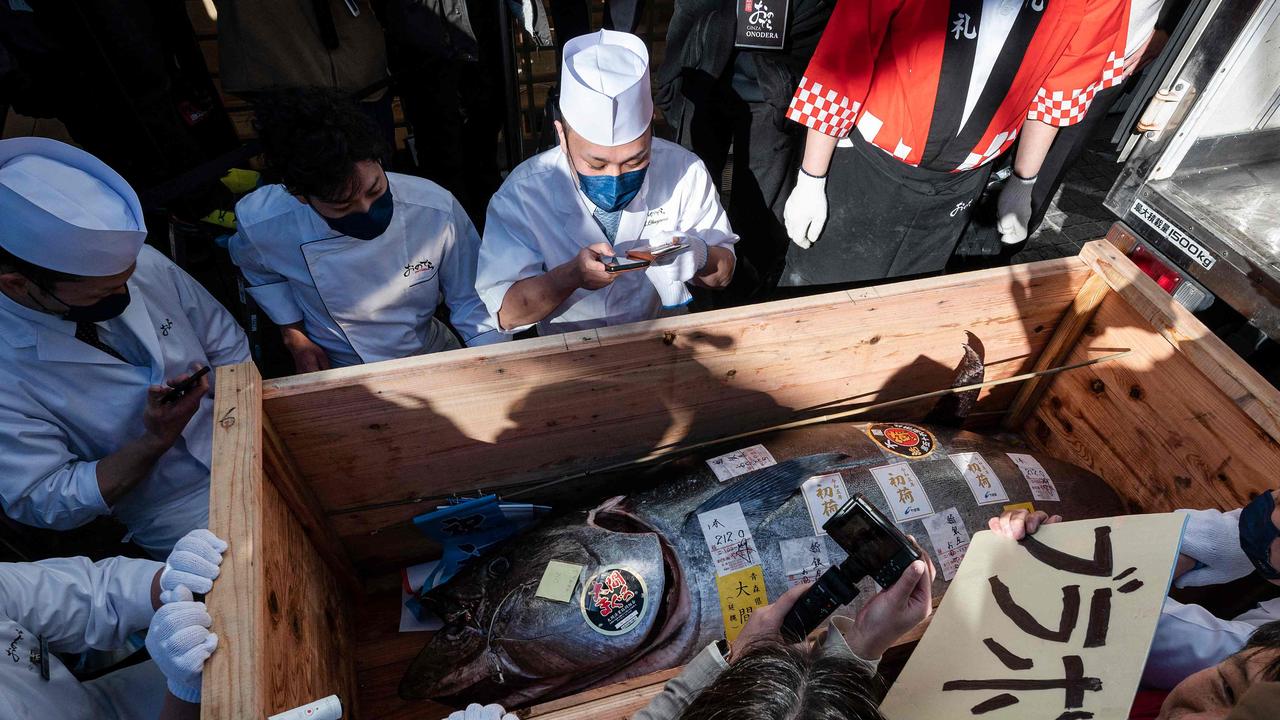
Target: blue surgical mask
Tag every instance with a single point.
(1257, 532)
(366, 225)
(611, 193)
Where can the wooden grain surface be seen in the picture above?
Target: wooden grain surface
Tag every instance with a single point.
(374, 440)
(1179, 423)
(232, 677)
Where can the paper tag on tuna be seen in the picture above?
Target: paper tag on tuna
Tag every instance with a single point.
(823, 495)
(741, 593)
(729, 539)
(740, 462)
(983, 483)
(804, 559)
(559, 581)
(1042, 487)
(950, 540)
(901, 487)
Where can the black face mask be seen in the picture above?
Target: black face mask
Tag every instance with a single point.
(1257, 532)
(105, 309)
(366, 225)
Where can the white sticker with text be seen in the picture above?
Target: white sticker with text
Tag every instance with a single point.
(982, 480)
(823, 495)
(804, 559)
(1041, 486)
(950, 540)
(903, 490)
(740, 462)
(729, 539)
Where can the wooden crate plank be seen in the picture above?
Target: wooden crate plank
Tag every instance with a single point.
(232, 686)
(1152, 424)
(1224, 369)
(1065, 337)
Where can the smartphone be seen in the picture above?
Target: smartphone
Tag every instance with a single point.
(185, 386)
(657, 253)
(874, 544)
(617, 265)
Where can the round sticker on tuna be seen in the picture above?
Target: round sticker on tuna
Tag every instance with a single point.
(909, 441)
(613, 601)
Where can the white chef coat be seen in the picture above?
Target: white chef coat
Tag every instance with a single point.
(540, 219)
(365, 300)
(65, 405)
(75, 605)
(1189, 638)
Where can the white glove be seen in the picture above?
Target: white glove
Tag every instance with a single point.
(179, 641)
(193, 563)
(806, 210)
(670, 274)
(1212, 538)
(1013, 209)
(475, 712)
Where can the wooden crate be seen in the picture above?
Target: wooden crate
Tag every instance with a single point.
(314, 476)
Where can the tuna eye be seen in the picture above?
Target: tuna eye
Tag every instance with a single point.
(498, 567)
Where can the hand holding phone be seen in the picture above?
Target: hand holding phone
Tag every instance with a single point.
(185, 386)
(620, 265)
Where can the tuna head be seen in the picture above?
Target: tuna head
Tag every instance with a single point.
(501, 642)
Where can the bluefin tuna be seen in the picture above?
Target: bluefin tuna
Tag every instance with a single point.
(646, 598)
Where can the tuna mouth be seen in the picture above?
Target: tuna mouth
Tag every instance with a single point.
(675, 601)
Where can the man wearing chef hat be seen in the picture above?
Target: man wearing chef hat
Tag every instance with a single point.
(609, 188)
(95, 328)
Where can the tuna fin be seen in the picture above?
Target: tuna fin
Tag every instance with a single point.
(762, 491)
(951, 410)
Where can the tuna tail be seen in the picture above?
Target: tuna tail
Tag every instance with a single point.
(951, 410)
(760, 492)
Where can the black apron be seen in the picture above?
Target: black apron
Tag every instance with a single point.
(885, 219)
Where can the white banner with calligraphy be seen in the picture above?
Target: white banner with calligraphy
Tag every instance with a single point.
(1058, 625)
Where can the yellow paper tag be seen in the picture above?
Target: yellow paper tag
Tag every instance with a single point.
(559, 581)
(1020, 506)
(741, 593)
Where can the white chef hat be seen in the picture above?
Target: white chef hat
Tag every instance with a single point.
(604, 87)
(63, 209)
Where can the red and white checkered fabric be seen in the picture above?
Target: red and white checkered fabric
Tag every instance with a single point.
(998, 145)
(1059, 109)
(822, 109)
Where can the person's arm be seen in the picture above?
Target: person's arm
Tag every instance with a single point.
(1013, 208)
(1033, 148)
(458, 283)
(77, 604)
(718, 271)
(703, 215)
(1189, 639)
(532, 299)
(683, 689)
(121, 471)
(818, 149)
(272, 293)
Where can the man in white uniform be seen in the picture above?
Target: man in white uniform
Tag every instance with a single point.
(71, 605)
(349, 260)
(608, 188)
(93, 328)
(1217, 548)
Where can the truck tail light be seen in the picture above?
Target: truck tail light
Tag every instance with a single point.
(1183, 289)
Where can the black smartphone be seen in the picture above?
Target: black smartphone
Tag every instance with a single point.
(617, 264)
(185, 386)
(872, 541)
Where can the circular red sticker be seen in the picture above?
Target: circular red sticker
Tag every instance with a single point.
(613, 601)
(909, 441)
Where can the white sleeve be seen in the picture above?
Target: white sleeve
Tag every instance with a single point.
(77, 604)
(1189, 639)
(507, 255)
(701, 211)
(458, 278)
(270, 289)
(223, 340)
(42, 483)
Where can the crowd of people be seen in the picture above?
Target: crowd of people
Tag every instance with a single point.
(104, 410)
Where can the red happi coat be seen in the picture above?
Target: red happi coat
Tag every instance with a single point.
(880, 67)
